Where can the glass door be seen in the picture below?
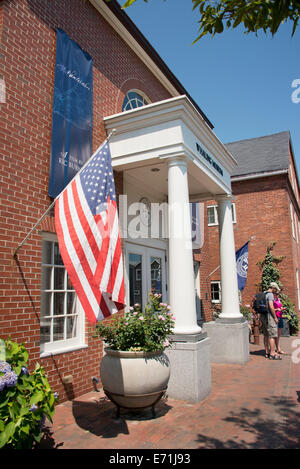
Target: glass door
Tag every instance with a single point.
(157, 270)
(145, 273)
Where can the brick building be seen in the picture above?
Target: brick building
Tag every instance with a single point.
(164, 149)
(265, 210)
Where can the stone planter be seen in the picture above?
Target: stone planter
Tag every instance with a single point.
(134, 380)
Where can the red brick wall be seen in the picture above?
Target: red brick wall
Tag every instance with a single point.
(28, 43)
(202, 255)
(263, 214)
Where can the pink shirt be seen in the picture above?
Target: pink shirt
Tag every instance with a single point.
(278, 305)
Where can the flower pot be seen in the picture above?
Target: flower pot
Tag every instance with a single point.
(134, 380)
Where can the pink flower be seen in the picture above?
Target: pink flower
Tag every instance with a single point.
(137, 305)
(126, 323)
(166, 343)
(141, 318)
(135, 313)
(168, 307)
(161, 317)
(131, 308)
(169, 314)
(173, 317)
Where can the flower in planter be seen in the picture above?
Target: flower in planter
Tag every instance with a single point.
(138, 330)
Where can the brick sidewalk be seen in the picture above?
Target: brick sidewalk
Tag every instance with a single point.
(252, 406)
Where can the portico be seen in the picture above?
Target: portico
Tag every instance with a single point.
(170, 157)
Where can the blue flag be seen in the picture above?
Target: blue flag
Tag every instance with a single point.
(71, 143)
(242, 265)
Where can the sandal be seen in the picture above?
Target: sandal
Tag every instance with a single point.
(282, 352)
(275, 357)
(267, 355)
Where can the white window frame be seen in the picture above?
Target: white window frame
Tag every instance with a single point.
(220, 292)
(141, 94)
(65, 345)
(215, 207)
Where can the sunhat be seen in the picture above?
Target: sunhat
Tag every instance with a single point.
(274, 285)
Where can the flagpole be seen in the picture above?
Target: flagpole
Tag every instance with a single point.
(53, 203)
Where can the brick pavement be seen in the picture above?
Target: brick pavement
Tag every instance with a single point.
(252, 406)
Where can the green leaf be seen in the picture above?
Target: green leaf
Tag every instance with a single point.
(4, 403)
(37, 397)
(17, 370)
(37, 437)
(128, 3)
(21, 400)
(25, 429)
(7, 434)
(24, 411)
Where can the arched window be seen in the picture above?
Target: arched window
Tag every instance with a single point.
(132, 100)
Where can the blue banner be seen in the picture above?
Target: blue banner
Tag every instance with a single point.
(242, 265)
(72, 117)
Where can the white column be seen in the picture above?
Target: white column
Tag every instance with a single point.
(229, 284)
(181, 268)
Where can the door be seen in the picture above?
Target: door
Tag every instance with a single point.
(145, 273)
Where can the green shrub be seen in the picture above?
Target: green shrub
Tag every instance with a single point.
(289, 313)
(246, 312)
(26, 399)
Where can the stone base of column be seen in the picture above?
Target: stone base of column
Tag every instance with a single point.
(190, 378)
(229, 340)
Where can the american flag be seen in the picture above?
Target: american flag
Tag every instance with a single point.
(86, 222)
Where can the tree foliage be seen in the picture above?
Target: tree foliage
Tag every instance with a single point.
(254, 15)
(270, 273)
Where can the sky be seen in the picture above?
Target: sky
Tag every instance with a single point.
(242, 82)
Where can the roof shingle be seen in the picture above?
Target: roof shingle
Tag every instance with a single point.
(262, 154)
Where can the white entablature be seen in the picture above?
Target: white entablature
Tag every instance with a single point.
(150, 135)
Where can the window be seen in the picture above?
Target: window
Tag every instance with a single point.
(233, 213)
(215, 288)
(133, 100)
(62, 321)
(212, 214)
